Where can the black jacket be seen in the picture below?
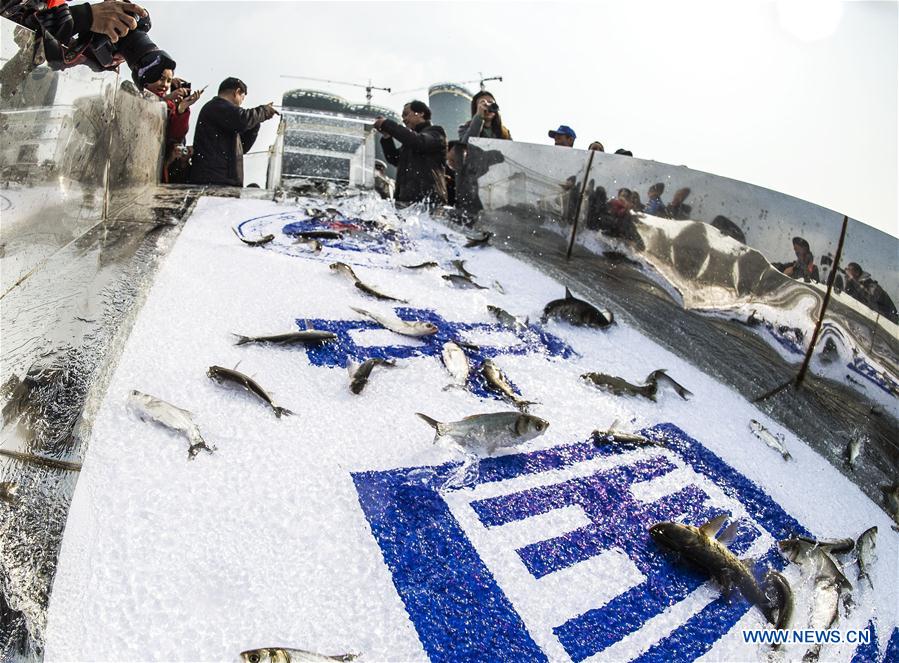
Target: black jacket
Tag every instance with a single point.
(419, 162)
(224, 132)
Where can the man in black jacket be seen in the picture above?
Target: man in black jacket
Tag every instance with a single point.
(420, 161)
(225, 131)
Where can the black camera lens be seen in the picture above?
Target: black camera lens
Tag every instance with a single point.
(493, 108)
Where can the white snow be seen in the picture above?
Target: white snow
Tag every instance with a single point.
(264, 543)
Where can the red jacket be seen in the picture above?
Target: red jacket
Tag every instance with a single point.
(176, 128)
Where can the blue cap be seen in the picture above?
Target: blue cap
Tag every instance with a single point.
(563, 130)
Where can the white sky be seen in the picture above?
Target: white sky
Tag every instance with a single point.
(799, 96)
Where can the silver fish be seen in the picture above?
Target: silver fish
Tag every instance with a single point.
(776, 442)
(780, 597)
(284, 655)
(612, 435)
(865, 553)
(423, 265)
(478, 239)
(254, 242)
(224, 375)
(314, 245)
(497, 429)
(343, 268)
(50, 463)
(400, 326)
(800, 548)
(460, 267)
(462, 282)
(577, 312)
(346, 270)
(891, 499)
(507, 320)
(306, 336)
(829, 586)
(150, 408)
(359, 373)
(854, 450)
(456, 363)
(9, 492)
(498, 381)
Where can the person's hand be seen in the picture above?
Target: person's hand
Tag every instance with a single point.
(482, 107)
(189, 100)
(379, 122)
(115, 18)
(176, 95)
(270, 111)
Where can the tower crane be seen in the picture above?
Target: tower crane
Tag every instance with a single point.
(368, 88)
(480, 81)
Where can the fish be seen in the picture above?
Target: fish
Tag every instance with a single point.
(346, 270)
(618, 437)
(50, 463)
(313, 244)
(830, 583)
(478, 239)
(222, 375)
(891, 499)
(460, 267)
(319, 234)
(424, 265)
(9, 492)
(799, 548)
(283, 655)
(456, 363)
(779, 595)
(497, 429)
(507, 320)
(400, 326)
(150, 408)
(660, 375)
(499, 287)
(315, 213)
(648, 389)
(359, 374)
(499, 382)
(776, 442)
(306, 336)
(577, 312)
(853, 450)
(462, 282)
(254, 242)
(700, 546)
(865, 553)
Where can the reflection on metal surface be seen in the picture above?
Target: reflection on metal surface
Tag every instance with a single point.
(713, 247)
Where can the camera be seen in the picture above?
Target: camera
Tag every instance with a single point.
(183, 85)
(493, 108)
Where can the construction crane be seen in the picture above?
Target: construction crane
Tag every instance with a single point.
(368, 88)
(480, 81)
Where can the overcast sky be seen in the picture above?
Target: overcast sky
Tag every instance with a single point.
(799, 96)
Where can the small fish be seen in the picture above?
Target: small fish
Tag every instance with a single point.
(507, 320)
(456, 363)
(9, 492)
(254, 242)
(854, 450)
(314, 245)
(498, 381)
(346, 270)
(780, 597)
(478, 239)
(462, 282)
(891, 499)
(150, 408)
(577, 312)
(776, 442)
(704, 549)
(660, 376)
(829, 586)
(460, 267)
(424, 265)
(228, 375)
(359, 374)
(619, 386)
(400, 326)
(618, 437)
(306, 336)
(51, 463)
(283, 655)
(497, 429)
(865, 555)
(319, 234)
(499, 287)
(315, 213)
(343, 268)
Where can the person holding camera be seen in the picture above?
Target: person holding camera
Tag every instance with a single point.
(485, 120)
(224, 133)
(158, 78)
(420, 161)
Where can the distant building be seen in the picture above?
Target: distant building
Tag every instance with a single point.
(324, 133)
(450, 106)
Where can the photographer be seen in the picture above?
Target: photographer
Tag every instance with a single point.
(225, 132)
(157, 78)
(420, 161)
(485, 120)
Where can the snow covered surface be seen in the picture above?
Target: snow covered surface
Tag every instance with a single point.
(267, 542)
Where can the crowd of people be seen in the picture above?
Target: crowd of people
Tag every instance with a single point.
(428, 164)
